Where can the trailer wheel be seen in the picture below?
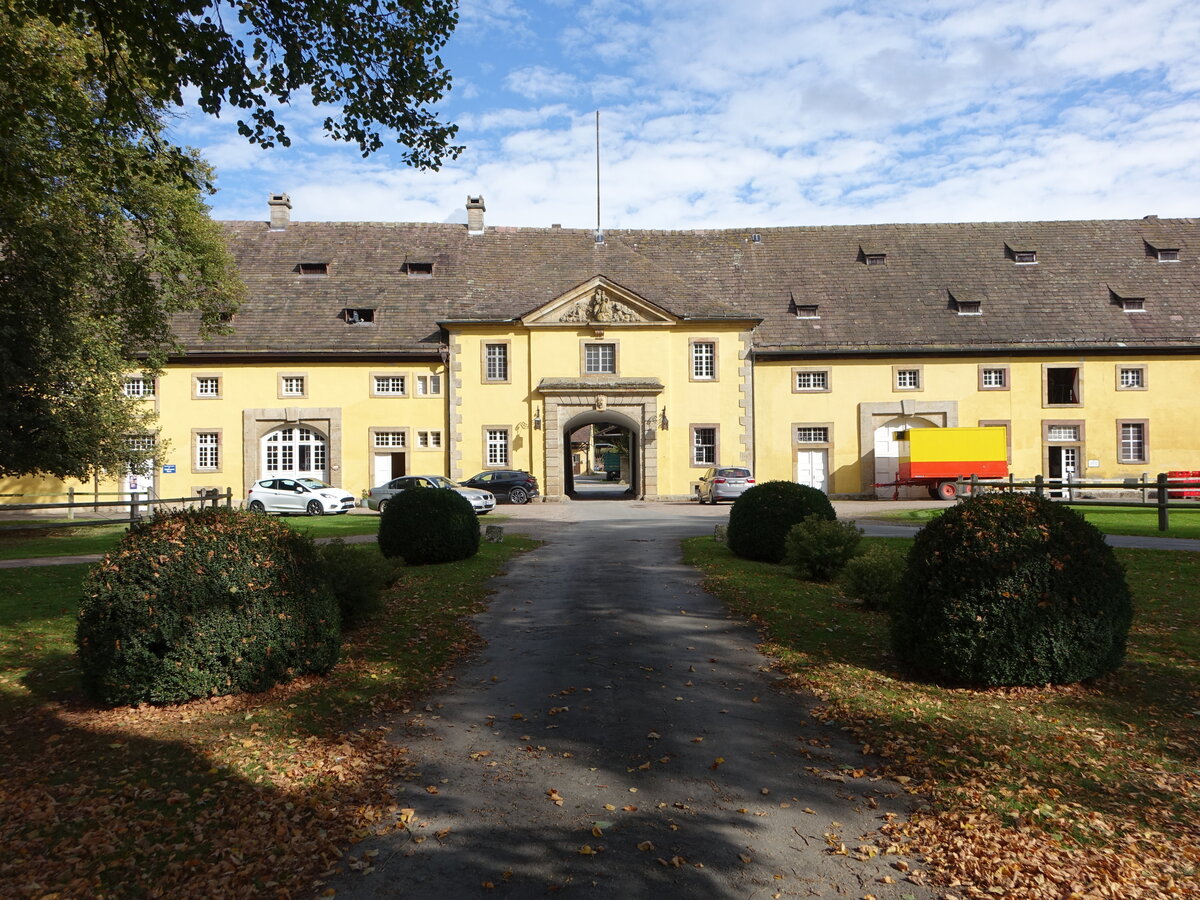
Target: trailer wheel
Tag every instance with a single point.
(947, 490)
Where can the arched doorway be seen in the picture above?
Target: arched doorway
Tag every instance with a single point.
(613, 446)
(887, 457)
(295, 451)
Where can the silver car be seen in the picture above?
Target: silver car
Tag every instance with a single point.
(483, 502)
(723, 483)
(296, 496)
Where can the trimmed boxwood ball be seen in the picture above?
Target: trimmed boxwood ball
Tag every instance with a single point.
(204, 602)
(428, 525)
(761, 518)
(1011, 589)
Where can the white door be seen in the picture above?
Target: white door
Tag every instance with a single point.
(295, 452)
(887, 457)
(812, 469)
(383, 469)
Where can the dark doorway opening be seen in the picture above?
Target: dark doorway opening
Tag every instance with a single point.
(601, 459)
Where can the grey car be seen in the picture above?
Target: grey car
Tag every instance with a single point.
(723, 483)
(481, 501)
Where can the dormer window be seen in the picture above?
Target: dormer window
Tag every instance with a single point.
(313, 268)
(808, 311)
(1129, 299)
(1022, 256)
(966, 304)
(358, 316)
(1168, 255)
(418, 269)
(872, 255)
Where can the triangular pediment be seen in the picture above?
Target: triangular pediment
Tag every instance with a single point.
(598, 302)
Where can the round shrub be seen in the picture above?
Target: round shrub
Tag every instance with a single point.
(205, 602)
(818, 548)
(760, 519)
(429, 525)
(873, 577)
(1011, 589)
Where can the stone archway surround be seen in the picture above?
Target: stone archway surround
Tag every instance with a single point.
(638, 405)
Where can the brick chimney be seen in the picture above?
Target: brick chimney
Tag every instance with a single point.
(475, 210)
(281, 211)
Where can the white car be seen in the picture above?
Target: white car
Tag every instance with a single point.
(483, 502)
(296, 496)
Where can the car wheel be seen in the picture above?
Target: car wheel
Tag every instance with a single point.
(315, 508)
(518, 495)
(256, 506)
(382, 506)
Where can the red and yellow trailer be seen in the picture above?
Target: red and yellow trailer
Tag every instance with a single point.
(938, 457)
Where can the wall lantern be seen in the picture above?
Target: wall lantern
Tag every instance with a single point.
(537, 418)
(662, 419)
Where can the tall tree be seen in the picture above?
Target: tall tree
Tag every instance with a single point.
(102, 239)
(373, 61)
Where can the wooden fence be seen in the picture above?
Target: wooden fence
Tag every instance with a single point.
(132, 506)
(1156, 494)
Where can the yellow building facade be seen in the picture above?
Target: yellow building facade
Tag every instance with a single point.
(370, 350)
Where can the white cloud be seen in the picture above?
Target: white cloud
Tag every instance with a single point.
(771, 112)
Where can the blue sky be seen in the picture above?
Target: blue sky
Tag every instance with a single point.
(774, 112)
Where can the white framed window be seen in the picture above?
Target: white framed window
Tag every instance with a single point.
(704, 445)
(390, 439)
(599, 359)
(292, 385)
(429, 385)
(1068, 434)
(993, 378)
(1168, 256)
(1025, 257)
(140, 443)
(429, 440)
(495, 362)
(138, 386)
(1131, 378)
(208, 386)
(391, 385)
(208, 450)
(704, 360)
(808, 380)
(496, 446)
(808, 311)
(907, 379)
(812, 434)
(1131, 442)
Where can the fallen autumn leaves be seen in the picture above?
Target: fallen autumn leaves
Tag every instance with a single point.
(236, 796)
(1071, 793)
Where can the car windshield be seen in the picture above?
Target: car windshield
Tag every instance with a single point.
(313, 484)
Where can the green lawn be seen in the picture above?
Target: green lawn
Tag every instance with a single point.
(247, 795)
(1098, 781)
(1184, 523)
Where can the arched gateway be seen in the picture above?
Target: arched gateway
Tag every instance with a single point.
(629, 403)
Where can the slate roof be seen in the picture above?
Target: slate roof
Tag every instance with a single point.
(1067, 300)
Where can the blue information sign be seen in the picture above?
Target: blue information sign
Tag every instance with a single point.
(168, 470)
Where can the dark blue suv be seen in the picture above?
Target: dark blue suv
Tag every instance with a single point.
(513, 485)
